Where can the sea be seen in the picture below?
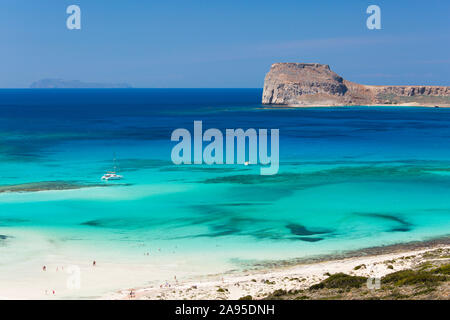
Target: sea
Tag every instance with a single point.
(349, 178)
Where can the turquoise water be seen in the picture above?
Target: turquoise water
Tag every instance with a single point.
(349, 178)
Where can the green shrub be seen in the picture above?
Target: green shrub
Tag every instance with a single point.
(340, 280)
(279, 293)
(444, 269)
(276, 295)
(410, 277)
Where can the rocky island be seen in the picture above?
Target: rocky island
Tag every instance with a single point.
(75, 84)
(313, 84)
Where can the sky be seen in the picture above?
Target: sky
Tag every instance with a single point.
(222, 44)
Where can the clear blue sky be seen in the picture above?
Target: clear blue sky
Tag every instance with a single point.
(210, 43)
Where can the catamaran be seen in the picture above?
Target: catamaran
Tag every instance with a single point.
(112, 175)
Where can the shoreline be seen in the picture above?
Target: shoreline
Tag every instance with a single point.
(411, 105)
(290, 274)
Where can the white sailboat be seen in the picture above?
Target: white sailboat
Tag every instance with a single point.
(112, 175)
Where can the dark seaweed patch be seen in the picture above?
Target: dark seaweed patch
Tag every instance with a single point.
(342, 174)
(400, 229)
(299, 230)
(49, 185)
(264, 234)
(3, 239)
(404, 226)
(309, 239)
(93, 223)
(242, 204)
(223, 220)
(11, 221)
(117, 223)
(220, 230)
(386, 216)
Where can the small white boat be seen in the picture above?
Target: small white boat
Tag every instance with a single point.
(112, 175)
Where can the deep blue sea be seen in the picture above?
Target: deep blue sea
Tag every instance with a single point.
(349, 178)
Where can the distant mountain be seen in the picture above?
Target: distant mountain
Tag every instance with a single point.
(74, 84)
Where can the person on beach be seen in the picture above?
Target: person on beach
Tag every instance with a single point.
(94, 263)
(44, 268)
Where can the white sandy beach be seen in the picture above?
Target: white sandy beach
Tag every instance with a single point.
(259, 284)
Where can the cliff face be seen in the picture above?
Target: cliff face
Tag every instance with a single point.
(316, 84)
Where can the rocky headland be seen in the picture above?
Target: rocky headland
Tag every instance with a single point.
(313, 84)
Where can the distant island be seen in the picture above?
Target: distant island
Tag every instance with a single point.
(313, 84)
(74, 84)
